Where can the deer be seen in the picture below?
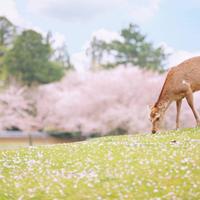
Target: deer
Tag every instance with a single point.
(181, 82)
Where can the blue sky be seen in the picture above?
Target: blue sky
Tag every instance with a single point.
(174, 24)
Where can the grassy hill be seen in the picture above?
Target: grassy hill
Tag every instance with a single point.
(163, 166)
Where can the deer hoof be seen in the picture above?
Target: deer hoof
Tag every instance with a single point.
(198, 124)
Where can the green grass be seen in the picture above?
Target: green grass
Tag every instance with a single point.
(163, 166)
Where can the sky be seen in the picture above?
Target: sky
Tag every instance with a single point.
(173, 24)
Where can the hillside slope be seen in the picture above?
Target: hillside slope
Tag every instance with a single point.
(163, 166)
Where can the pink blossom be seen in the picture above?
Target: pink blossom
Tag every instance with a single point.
(91, 102)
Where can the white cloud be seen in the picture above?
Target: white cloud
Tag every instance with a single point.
(181, 55)
(8, 8)
(80, 61)
(177, 56)
(139, 10)
(144, 10)
(73, 9)
(106, 35)
(59, 39)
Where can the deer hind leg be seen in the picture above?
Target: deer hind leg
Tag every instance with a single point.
(178, 107)
(190, 101)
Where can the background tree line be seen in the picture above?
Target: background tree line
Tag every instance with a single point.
(72, 105)
(28, 57)
(133, 48)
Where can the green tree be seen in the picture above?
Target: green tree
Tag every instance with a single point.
(95, 51)
(7, 31)
(3, 69)
(63, 58)
(7, 35)
(30, 60)
(133, 49)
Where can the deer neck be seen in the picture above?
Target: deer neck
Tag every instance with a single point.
(163, 104)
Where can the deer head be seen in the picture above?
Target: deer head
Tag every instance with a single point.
(156, 116)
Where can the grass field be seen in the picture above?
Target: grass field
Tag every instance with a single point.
(163, 166)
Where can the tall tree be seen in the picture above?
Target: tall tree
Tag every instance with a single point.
(3, 69)
(63, 58)
(29, 60)
(7, 31)
(133, 49)
(96, 51)
(7, 35)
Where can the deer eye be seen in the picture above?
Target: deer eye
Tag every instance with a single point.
(158, 118)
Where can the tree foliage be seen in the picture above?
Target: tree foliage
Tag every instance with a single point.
(7, 35)
(29, 59)
(95, 51)
(3, 69)
(63, 58)
(133, 48)
(7, 31)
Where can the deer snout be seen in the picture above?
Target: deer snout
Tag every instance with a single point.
(153, 131)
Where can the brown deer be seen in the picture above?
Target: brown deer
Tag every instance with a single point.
(181, 82)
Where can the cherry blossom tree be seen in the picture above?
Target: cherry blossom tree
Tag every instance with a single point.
(17, 110)
(105, 102)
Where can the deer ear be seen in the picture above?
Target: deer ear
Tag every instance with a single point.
(149, 108)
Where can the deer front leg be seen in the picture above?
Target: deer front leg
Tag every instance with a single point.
(190, 101)
(178, 107)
